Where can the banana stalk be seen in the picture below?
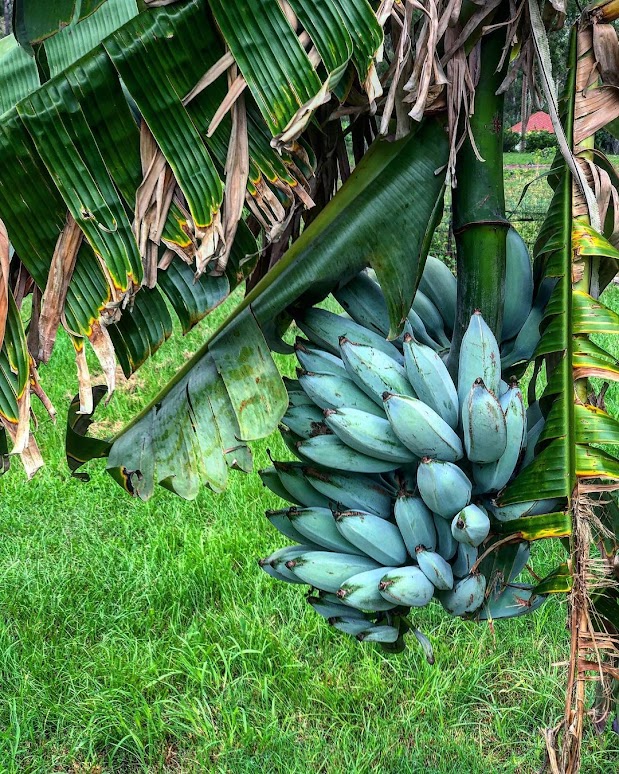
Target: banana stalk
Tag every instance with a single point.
(480, 226)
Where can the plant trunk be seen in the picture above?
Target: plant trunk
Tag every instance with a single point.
(480, 226)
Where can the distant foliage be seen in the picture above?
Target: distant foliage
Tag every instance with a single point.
(510, 140)
(540, 141)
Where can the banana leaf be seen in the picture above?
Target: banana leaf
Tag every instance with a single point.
(231, 392)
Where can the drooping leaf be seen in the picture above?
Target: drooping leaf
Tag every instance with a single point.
(162, 445)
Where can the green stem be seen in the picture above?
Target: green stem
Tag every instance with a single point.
(480, 226)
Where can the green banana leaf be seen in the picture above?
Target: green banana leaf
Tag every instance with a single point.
(568, 455)
(198, 425)
(91, 89)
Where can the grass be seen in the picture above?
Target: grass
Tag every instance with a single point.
(142, 637)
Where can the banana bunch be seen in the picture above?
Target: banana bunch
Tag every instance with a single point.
(393, 494)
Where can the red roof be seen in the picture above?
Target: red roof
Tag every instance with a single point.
(538, 122)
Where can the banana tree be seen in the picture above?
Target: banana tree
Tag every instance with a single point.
(157, 155)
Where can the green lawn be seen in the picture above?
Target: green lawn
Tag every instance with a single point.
(142, 637)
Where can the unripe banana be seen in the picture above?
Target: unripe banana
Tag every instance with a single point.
(373, 371)
(270, 479)
(296, 394)
(364, 301)
(379, 633)
(527, 340)
(331, 452)
(352, 626)
(430, 380)
(483, 425)
(291, 439)
(471, 525)
(414, 327)
(281, 522)
(441, 287)
(328, 608)
(431, 318)
(304, 421)
(518, 285)
(447, 545)
(277, 560)
(318, 361)
(332, 392)
(443, 486)
(493, 476)
(318, 525)
(272, 572)
(503, 388)
(533, 437)
(376, 537)
(361, 591)
(415, 523)
(466, 596)
(325, 328)
(465, 559)
(479, 358)
(327, 570)
(351, 491)
(406, 586)
(520, 510)
(435, 568)
(292, 477)
(368, 434)
(421, 429)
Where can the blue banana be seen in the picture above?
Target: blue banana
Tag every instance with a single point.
(327, 570)
(415, 522)
(281, 522)
(361, 591)
(368, 434)
(415, 327)
(467, 595)
(377, 538)
(479, 358)
(441, 287)
(421, 429)
(443, 486)
(292, 477)
(533, 437)
(406, 586)
(364, 301)
(304, 421)
(373, 371)
(270, 479)
(465, 559)
(318, 526)
(351, 491)
(518, 285)
(471, 525)
(431, 318)
(296, 394)
(430, 380)
(332, 392)
(447, 545)
(435, 568)
(330, 608)
(493, 476)
(318, 360)
(483, 425)
(325, 328)
(331, 452)
(277, 560)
